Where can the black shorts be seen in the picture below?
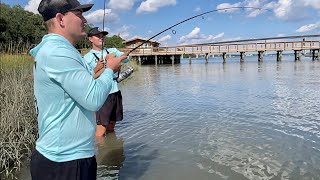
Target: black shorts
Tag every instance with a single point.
(112, 109)
(44, 169)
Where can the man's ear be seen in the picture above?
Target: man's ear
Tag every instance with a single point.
(59, 18)
(90, 38)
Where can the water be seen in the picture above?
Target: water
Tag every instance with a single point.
(215, 121)
(222, 121)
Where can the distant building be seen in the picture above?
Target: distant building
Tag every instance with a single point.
(132, 43)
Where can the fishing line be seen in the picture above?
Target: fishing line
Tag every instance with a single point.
(188, 19)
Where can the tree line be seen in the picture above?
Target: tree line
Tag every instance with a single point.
(20, 30)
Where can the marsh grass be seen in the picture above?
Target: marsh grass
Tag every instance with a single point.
(13, 47)
(18, 126)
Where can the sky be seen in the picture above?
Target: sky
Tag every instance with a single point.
(146, 18)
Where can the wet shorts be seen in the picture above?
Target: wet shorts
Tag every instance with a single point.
(112, 109)
(44, 169)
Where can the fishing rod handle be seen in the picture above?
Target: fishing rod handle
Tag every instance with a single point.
(97, 74)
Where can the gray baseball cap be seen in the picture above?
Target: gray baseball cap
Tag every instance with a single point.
(95, 31)
(49, 8)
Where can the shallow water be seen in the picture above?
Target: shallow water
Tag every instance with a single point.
(222, 121)
(236, 121)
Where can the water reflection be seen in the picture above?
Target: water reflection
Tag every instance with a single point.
(110, 156)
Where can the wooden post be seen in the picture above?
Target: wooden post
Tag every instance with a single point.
(297, 55)
(224, 57)
(242, 55)
(260, 56)
(172, 59)
(313, 53)
(189, 59)
(155, 59)
(279, 56)
(207, 57)
(139, 59)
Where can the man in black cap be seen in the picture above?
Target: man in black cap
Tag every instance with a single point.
(112, 109)
(66, 96)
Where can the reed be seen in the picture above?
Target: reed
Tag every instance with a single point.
(12, 47)
(18, 124)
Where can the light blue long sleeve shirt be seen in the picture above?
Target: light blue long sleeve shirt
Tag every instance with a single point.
(67, 97)
(92, 63)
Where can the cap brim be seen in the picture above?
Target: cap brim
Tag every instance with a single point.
(102, 32)
(83, 7)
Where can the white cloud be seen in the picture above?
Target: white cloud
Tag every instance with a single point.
(121, 4)
(194, 34)
(96, 17)
(165, 38)
(123, 32)
(154, 5)
(197, 9)
(213, 37)
(282, 9)
(32, 6)
(228, 5)
(256, 4)
(292, 10)
(312, 3)
(196, 37)
(309, 27)
(251, 12)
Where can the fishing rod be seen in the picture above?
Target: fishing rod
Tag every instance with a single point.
(103, 18)
(188, 19)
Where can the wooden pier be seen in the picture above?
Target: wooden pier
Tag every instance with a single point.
(173, 54)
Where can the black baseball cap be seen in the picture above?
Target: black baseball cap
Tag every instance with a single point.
(49, 8)
(95, 31)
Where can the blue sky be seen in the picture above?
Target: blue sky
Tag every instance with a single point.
(145, 18)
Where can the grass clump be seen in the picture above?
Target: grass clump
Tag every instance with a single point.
(18, 123)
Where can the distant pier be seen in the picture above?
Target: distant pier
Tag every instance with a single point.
(259, 47)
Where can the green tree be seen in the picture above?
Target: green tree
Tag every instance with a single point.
(22, 29)
(114, 41)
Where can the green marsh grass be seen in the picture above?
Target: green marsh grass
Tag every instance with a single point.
(18, 126)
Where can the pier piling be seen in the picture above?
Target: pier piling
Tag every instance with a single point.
(279, 56)
(260, 56)
(242, 56)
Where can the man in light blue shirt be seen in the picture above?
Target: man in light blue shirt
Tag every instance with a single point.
(112, 109)
(66, 96)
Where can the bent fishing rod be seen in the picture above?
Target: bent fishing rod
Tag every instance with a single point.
(188, 19)
(183, 21)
